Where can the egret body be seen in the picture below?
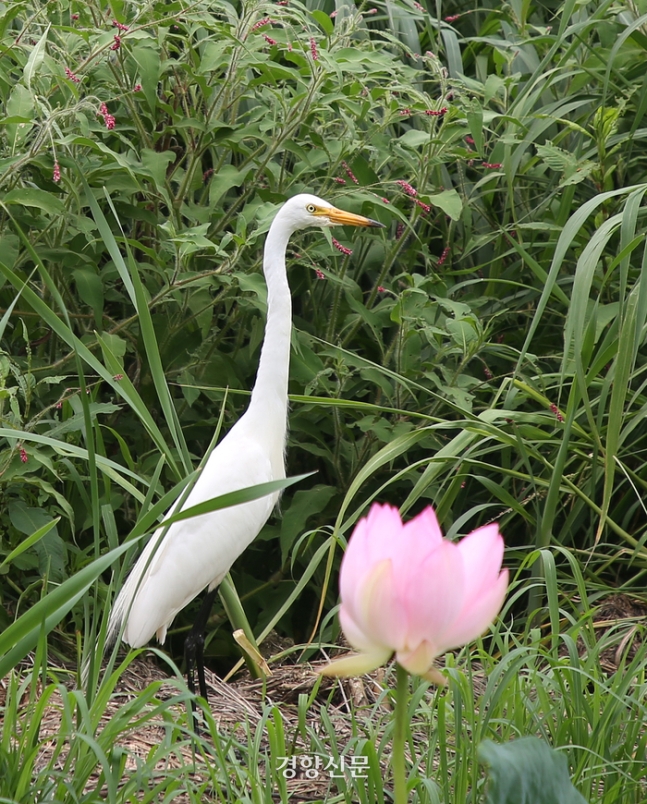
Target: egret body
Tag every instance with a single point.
(197, 553)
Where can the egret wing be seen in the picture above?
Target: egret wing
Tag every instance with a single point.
(195, 553)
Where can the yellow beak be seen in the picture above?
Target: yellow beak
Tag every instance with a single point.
(343, 218)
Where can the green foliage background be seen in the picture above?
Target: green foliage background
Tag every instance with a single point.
(485, 354)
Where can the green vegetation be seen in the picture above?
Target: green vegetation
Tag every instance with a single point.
(485, 355)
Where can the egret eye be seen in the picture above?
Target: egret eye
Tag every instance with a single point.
(311, 208)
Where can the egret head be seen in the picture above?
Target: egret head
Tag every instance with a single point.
(306, 210)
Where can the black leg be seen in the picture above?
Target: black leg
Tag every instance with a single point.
(194, 645)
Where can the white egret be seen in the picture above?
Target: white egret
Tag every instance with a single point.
(197, 553)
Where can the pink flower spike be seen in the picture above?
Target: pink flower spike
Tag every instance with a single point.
(381, 289)
(408, 189)
(23, 455)
(261, 23)
(340, 247)
(350, 173)
(137, 88)
(72, 76)
(313, 49)
(56, 173)
(119, 26)
(469, 140)
(452, 18)
(118, 377)
(555, 410)
(444, 255)
(339, 181)
(424, 207)
(492, 165)
(117, 43)
(108, 119)
(333, 14)
(269, 39)
(320, 273)
(406, 590)
(75, 17)
(418, 7)
(404, 112)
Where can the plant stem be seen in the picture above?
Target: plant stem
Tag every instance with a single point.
(399, 736)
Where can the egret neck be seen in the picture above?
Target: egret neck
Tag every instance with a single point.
(271, 386)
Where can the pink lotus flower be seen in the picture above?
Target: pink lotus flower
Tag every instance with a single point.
(406, 590)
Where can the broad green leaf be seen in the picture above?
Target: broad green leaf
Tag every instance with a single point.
(148, 61)
(30, 541)
(494, 84)
(415, 138)
(304, 505)
(475, 123)
(449, 201)
(90, 289)
(156, 164)
(35, 59)
(453, 51)
(227, 177)
(31, 197)
(324, 21)
(50, 547)
(527, 771)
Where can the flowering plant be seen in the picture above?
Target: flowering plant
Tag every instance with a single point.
(406, 590)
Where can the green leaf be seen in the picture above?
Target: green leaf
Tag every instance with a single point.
(31, 197)
(30, 541)
(324, 22)
(227, 177)
(148, 61)
(35, 59)
(235, 498)
(8, 15)
(453, 52)
(156, 163)
(494, 85)
(304, 505)
(527, 771)
(214, 56)
(90, 289)
(49, 546)
(414, 138)
(475, 123)
(449, 201)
